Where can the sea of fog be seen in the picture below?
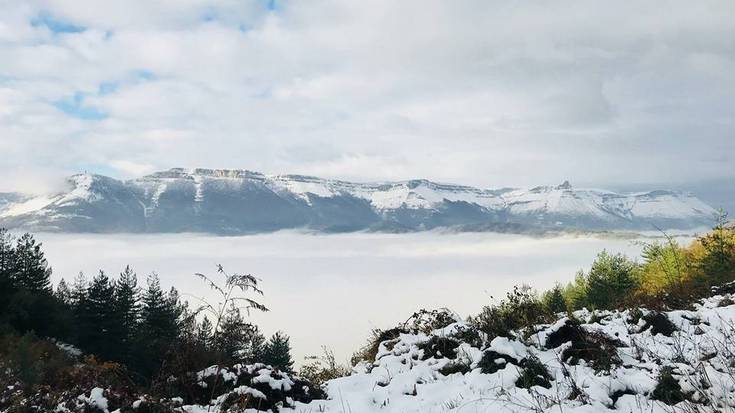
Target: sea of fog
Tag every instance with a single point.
(332, 290)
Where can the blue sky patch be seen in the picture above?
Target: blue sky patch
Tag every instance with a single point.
(55, 25)
(74, 106)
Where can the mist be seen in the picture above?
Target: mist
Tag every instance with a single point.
(332, 290)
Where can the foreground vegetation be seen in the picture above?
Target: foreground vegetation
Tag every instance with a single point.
(150, 345)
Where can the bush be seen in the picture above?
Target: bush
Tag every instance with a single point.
(492, 361)
(668, 390)
(323, 368)
(609, 284)
(534, 373)
(520, 309)
(554, 300)
(439, 347)
(595, 348)
(370, 350)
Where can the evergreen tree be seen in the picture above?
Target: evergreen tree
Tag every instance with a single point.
(100, 321)
(127, 308)
(204, 333)
(610, 280)
(232, 334)
(7, 259)
(237, 340)
(79, 290)
(158, 327)
(28, 302)
(78, 308)
(63, 293)
(554, 300)
(718, 263)
(31, 271)
(277, 352)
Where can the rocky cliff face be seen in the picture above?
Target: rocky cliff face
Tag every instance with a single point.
(238, 201)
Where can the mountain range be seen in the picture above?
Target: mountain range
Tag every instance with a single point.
(232, 202)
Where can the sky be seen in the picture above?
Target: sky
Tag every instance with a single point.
(486, 93)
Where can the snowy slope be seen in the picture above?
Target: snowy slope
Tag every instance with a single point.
(606, 361)
(698, 353)
(239, 201)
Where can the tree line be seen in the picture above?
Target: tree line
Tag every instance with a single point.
(147, 329)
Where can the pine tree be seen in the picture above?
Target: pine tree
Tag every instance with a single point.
(204, 333)
(127, 308)
(610, 280)
(63, 293)
(101, 323)
(554, 300)
(7, 259)
(31, 271)
(277, 352)
(231, 334)
(158, 327)
(78, 307)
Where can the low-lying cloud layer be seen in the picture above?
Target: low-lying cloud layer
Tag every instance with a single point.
(488, 93)
(333, 289)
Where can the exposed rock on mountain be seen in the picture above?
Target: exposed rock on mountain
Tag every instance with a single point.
(238, 202)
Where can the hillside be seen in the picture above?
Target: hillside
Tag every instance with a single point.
(240, 202)
(617, 361)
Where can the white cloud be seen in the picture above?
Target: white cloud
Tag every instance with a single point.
(478, 92)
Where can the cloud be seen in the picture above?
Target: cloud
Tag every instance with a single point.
(479, 92)
(340, 278)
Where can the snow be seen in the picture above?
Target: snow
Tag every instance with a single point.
(96, 398)
(31, 205)
(400, 382)
(560, 203)
(400, 379)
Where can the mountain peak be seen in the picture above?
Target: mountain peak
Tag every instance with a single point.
(236, 201)
(566, 186)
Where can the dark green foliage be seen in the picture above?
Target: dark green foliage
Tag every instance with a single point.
(593, 347)
(27, 302)
(610, 281)
(7, 258)
(617, 394)
(492, 361)
(277, 352)
(533, 373)
(30, 269)
(719, 245)
(237, 340)
(127, 310)
(158, 327)
(668, 390)
(63, 293)
(99, 322)
(454, 367)
(520, 309)
(554, 300)
(659, 323)
(469, 335)
(426, 321)
(370, 350)
(204, 333)
(439, 347)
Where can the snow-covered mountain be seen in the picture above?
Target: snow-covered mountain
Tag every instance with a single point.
(238, 201)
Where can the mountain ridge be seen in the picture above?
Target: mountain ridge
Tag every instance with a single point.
(236, 201)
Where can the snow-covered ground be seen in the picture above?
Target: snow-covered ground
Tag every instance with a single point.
(631, 361)
(351, 283)
(698, 354)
